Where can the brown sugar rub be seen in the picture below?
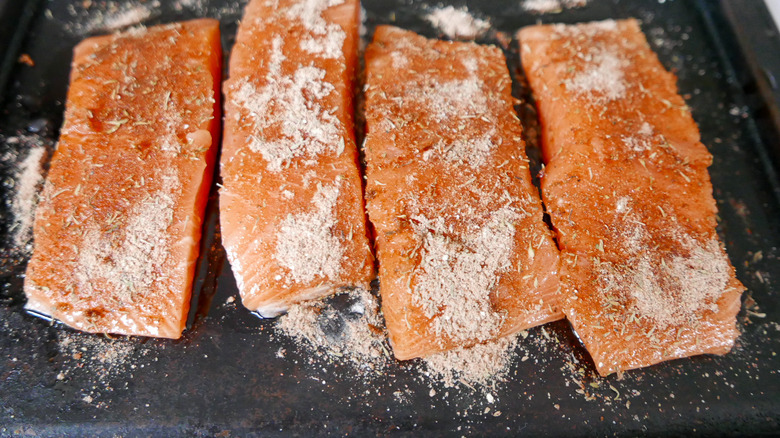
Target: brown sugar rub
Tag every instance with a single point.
(119, 221)
(291, 204)
(464, 254)
(644, 276)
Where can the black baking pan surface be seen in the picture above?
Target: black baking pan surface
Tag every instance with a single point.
(230, 375)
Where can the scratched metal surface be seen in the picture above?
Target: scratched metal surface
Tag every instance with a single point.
(224, 377)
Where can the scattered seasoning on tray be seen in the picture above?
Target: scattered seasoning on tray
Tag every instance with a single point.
(482, 365)
(586, 383)
(194, 5)
(26, 60)
(93, 17)
(201, 8)
(99, 360)
(362, 34)
(457, 23)
(751, 308)
(346, 328)
(552, 6)
(25, 156)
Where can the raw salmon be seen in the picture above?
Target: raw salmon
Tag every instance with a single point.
(464, 255)
(119, 221)
(643, 273)
(291, 204)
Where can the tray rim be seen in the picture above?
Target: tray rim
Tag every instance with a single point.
(190, 425)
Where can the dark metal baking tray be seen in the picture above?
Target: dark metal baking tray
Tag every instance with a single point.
(224, 377)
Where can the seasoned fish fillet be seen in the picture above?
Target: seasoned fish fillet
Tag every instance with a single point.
(291, 205)
(119, 221)
(643, 274)
(464, 256)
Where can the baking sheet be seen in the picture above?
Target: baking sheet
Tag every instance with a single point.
(230, 376)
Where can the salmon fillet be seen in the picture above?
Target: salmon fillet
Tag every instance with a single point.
(644, 276)
(464, 255)
(291, 205)
(118, 225)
